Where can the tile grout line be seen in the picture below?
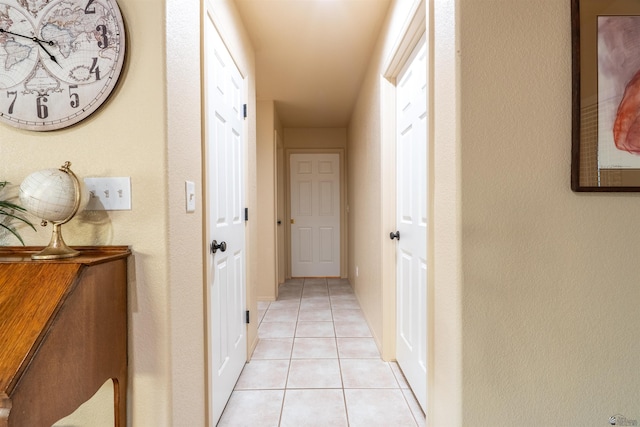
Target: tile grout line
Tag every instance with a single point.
(335, 334)
(293, 342)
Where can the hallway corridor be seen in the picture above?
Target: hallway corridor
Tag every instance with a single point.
(317, 365)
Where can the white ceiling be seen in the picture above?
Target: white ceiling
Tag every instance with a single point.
(311, 55)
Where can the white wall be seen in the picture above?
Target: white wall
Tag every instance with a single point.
(315, 138)
(150, 130)
(534, 286)
(112, 142)
(550, 293)
(184, 150)
(445, 367)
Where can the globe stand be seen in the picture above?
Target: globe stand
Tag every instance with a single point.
(57, 248)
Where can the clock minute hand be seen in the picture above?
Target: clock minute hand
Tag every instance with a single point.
(35, 39)
(2, 30)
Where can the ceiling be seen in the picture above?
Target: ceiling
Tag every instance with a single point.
(311, 55)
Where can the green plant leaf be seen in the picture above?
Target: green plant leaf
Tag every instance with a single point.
(8, 205)
(12, 212)
(19, 218)
(13, 231)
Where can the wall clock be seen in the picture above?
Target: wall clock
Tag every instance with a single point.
(59, 60)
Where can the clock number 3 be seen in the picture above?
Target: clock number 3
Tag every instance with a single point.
(15, 96)
(104, 40)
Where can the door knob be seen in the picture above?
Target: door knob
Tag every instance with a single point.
(395, 235)
(215, 246)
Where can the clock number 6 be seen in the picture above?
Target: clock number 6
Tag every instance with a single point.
(43, 110)
(15, 96)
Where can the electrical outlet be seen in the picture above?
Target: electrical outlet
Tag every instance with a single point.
(108, 194)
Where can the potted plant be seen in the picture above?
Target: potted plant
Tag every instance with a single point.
(11, 214)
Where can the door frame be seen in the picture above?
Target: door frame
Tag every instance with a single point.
(411, 34)
(280, 213)
(343, 203)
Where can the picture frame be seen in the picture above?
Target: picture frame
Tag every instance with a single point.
(605, 153)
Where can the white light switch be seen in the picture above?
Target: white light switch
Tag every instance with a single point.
(108, 194)
(190, 196)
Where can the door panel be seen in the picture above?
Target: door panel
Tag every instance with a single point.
(227, 347)
(315, 215)
(306, 243)
(326, 244)
(412, 194)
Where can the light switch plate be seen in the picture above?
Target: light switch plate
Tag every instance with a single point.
(108, 193)
(190, 196)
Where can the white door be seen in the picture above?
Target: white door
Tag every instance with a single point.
(315, 215)
(411, 265)
(227, 341)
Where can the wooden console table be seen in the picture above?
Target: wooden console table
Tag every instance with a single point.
(63, 333)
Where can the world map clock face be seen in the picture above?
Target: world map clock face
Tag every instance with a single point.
(59, 60)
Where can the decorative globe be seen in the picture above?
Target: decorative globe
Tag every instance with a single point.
(55, 195)
(49, 194)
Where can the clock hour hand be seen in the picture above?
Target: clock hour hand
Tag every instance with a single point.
(53, 58)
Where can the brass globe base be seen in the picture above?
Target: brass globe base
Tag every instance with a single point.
(57, 248)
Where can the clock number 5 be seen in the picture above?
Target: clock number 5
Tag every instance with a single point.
(43, 110)
(75, 98)
(15, 96)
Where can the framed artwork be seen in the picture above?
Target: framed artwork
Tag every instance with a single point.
(605, 153)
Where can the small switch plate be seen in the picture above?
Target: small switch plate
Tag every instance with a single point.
(190, 196)
(108, 194)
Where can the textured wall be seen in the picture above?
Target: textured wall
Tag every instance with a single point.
(112, 142)
(150, 130)
(189, 398)
(315, 138)
(550, 292)
(265, 215)
(186, 290)
(445, 296)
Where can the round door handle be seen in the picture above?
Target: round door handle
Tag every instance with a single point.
(395, 235)
(215, 246)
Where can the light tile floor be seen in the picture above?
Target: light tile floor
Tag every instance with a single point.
(316, 364)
